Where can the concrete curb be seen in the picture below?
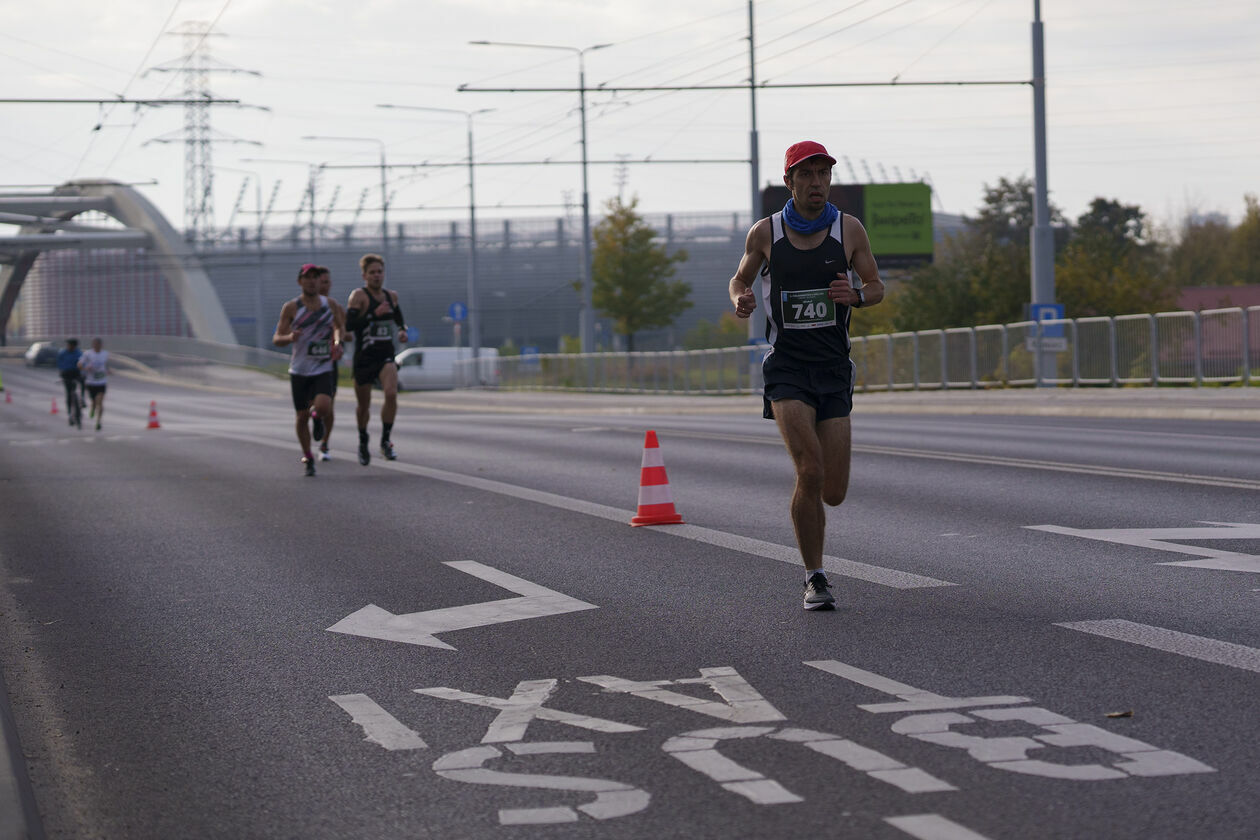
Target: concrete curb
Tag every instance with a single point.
(19, 816)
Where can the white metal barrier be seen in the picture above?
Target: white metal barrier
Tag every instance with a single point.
(1166, 348)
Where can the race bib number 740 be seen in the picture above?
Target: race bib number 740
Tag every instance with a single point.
(808, 309)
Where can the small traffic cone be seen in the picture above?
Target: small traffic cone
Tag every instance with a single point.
(54, 408)
(656, 503)
(8, 397)
(153, 421)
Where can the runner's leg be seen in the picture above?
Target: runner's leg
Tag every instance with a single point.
(389, 407)
(797, 426)
(835, 438)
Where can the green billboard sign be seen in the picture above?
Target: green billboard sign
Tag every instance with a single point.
(898, 219)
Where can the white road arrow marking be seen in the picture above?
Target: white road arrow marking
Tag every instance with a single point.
(419, 628)
(1160, 539)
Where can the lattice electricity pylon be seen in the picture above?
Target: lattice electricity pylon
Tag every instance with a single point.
(196, 65)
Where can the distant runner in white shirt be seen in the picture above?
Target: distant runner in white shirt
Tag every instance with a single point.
(95, 366)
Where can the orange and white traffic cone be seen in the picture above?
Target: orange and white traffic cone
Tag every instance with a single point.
(153, 421)
(656, 503)
(54, 407)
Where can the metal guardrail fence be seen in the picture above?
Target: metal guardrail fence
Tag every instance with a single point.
(1219, 346)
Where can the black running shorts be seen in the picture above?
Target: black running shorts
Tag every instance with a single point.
(306, 388)
(93, 390)
(367, 369)
(827, 387)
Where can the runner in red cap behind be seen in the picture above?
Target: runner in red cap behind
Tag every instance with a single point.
(806, 255)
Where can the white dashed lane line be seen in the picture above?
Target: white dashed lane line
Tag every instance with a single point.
(1171, 641)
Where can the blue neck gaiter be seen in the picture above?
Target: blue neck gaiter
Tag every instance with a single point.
(801, 225)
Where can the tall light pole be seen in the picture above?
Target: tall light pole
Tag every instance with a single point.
(586, 325)
(384, 194)
(1042, 241)
(474, 305)
(756, 323)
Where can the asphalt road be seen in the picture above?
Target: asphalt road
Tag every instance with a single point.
(1047, 622)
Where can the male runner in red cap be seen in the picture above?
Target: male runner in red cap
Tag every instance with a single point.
(810, 251)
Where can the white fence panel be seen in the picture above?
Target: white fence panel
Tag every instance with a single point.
(992, 356)
(1221, 344)
(1095, 351)
(1174, 348)
(1177, 346)
(1135, 335)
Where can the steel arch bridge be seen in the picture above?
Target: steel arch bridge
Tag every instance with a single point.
(46, 223)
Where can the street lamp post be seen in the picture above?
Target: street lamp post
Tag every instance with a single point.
(474, 307)
(384, 193)
(586, 325)
(1041, 242)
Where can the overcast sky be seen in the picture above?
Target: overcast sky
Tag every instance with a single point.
(1150, 102)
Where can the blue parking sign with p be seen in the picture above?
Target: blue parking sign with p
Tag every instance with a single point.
(1049, 312)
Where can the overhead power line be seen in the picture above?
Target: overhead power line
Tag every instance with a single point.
(120, 100)
(746, 86)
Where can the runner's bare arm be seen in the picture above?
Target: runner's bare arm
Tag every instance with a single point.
(284, 328)
(756, 252)
(863, 261)
(339, 330)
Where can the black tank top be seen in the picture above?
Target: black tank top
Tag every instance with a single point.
(376, 336)
(801, 321)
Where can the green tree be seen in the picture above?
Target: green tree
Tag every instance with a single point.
(1244, 244)
(1200, 256)
(982, 275)
(631, 274)
(1112, 266)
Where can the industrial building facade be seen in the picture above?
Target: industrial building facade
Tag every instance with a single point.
(527, 270)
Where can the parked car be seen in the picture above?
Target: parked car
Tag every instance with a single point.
(433, 368)
(42, 354)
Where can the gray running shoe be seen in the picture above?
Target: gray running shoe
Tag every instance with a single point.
(310, 466)
(387, 450)
(818, 593)
(365, 457)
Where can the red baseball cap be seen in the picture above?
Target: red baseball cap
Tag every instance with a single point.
(798, 152)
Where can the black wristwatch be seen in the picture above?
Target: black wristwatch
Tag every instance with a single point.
(861, 301)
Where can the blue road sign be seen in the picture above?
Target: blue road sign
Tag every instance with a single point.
(1049, 312)
(457, 312)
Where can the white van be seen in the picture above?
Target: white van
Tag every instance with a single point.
(428, 368)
